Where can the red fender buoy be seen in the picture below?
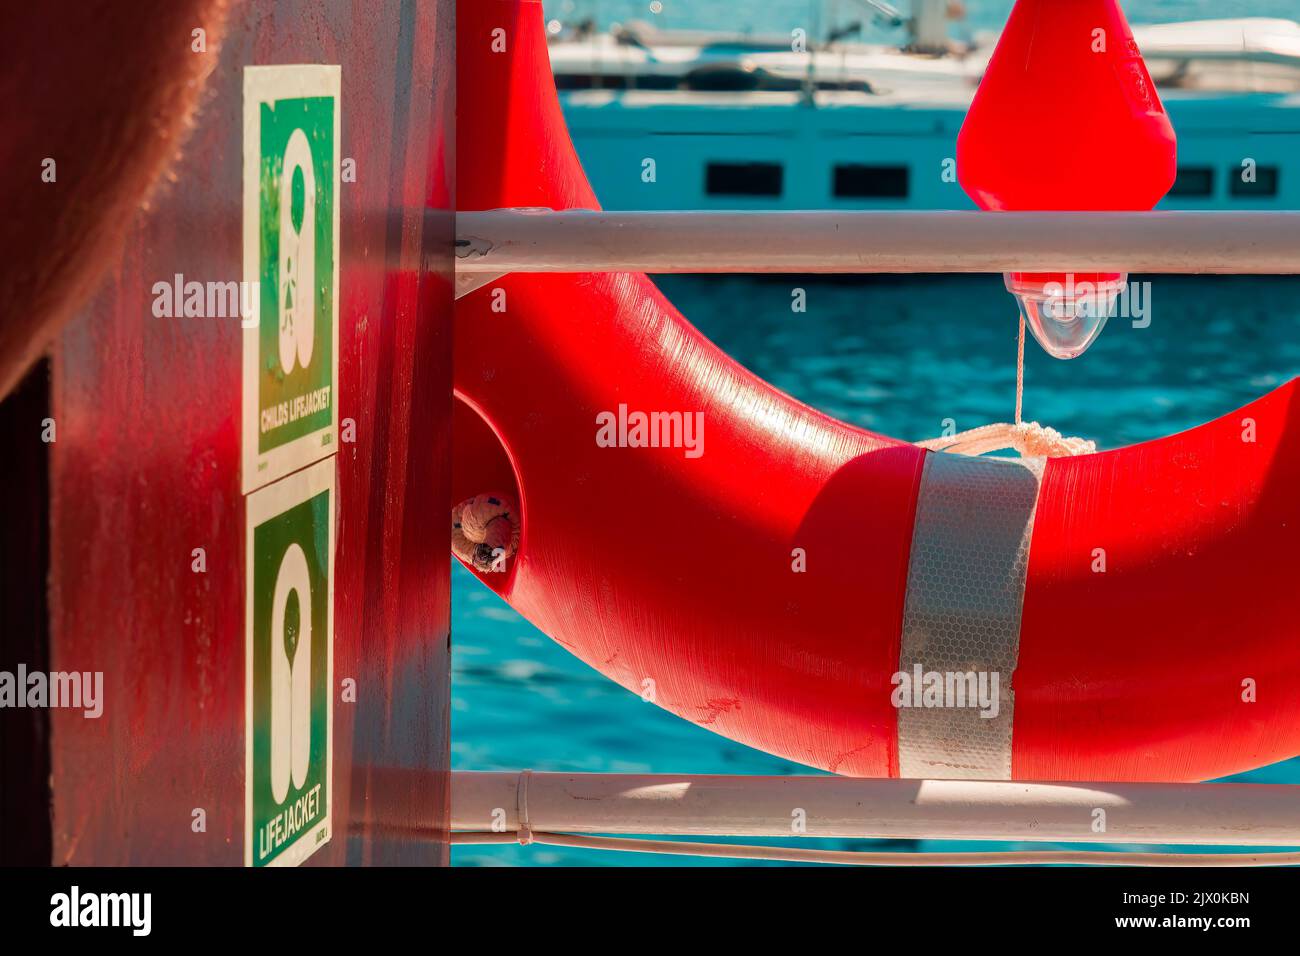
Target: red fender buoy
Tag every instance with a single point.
(1136, 604)
(1066, 117)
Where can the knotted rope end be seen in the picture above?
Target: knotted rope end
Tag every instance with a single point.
(1030, 439)
(485, 532)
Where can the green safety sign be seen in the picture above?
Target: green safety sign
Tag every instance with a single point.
(289, 667)
(291, 258)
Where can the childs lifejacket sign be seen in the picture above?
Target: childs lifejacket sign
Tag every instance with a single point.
(291, 263)
(289, 423)
(289, 667)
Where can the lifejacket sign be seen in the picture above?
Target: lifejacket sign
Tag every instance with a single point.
(291, 262)
(289, 667)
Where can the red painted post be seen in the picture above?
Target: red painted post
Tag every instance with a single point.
(147, 516)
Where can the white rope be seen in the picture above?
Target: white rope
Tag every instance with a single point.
(1030, 439)
(525, 834)
(1020, 368)
(849, 858)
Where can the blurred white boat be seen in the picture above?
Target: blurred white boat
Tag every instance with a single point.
(686, 119)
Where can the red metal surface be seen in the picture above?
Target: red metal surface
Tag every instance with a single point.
(108, 121)
(146, 466)
(650, 565)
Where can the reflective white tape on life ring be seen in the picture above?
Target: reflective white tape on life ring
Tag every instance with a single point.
(961, 619)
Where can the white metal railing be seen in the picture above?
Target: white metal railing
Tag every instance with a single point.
(499, 241)
(560, 808)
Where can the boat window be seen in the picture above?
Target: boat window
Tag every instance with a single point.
(1264, 183)
(854, 181)
(744, 179)
(1193, 181)
(589, 81)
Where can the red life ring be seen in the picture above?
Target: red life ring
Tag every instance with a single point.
(678, 575)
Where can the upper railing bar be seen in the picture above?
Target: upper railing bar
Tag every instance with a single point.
(527, 240)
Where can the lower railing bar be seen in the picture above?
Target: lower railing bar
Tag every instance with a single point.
(513, 240)
(847, 807)
(793, 854)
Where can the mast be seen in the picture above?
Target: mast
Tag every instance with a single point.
(930, 26)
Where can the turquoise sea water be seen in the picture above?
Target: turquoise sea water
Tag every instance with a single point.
(781, 16)
(893, 354)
